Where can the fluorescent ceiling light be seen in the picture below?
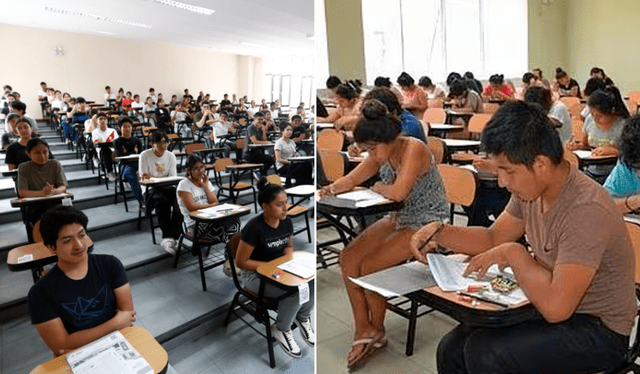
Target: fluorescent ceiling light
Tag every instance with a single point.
(185, 6)
(99, 32)
(95, 17)
(252, 45)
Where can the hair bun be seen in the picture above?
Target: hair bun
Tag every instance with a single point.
(263, 183)
(373, 109)
(559, 70)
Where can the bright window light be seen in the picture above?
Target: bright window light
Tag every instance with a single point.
(184, 6)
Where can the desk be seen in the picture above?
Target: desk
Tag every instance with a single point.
(139, 338)
(237, 171)
(27, 202)
(41, 256)
(202, 218)
(286, 280)
(295, 162)
(203, 153)
(121, 161)
(586, 159)
(322, 126)
(454, 145)
(264, 146)
(452, 115)
(441, 130)
(164, 182)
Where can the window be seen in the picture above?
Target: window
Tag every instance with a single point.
(435, 37)
(289, 79)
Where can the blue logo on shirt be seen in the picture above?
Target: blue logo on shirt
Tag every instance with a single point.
(84, 309)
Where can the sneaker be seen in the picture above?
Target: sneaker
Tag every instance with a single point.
(287, 342)
(226, 269)
(111, 176)
(256, 175)
(96, 163)
(169, 245)
(66, 141)
(306, 330)
(74, 143)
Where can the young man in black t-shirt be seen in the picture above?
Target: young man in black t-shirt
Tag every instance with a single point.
(85, 296)
(127, 145)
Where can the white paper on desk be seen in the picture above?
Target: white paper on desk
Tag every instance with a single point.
(163, 179)
(110, 354)
(302, 267)
(581, 153)
(364, 198)
(447, 272)
(63, 194)
(398, 280)
(215, 210)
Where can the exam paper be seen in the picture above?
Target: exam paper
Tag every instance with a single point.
(304, 267)
(364, 198)
(398, 280)
(214, 210)
(110, 354)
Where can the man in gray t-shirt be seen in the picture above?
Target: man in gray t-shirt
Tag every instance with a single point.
(256, 134)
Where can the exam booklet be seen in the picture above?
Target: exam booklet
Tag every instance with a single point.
(304, 267)
(110, 354)
(398, 280)
(364, 198)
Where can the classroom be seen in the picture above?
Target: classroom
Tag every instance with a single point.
(442, 77)
(149, 108)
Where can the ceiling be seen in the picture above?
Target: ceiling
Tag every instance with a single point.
(270, 27)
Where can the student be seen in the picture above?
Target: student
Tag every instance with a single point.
(127, 145)
(163, 118)
(433, 90)
(602, 128)
(253, 109)
(565, 85)
(541, 79)
(240, 111)
(38, 178)
(17, 152)
(464, 99)
(410, 125)
(556, 110)
(222, 127)
(473, 83)
(256, 134)
(225, 104)
(623, 183)
(11, 134)
(108, 96)
(42, 94)
(104, 134)
(180, 115)
(157, 162)
(347, 97)
(126, 103)
(21, 108)
(84, 296)
(580, 277)
(593, 84)
(300, 113)
(204, 120)
(385, 243)
(78, 115)
(196, 192)
(414, 99)
(173, 102)
(269, 123)
(152, 95)
(273, 110)
(137, 107)
(267, 237)
(497, 89)
(119, 99)
(149, 111)
(284, 149)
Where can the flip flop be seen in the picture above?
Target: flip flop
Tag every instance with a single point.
(370, 346)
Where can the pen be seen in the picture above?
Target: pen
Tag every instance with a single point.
(485, 299)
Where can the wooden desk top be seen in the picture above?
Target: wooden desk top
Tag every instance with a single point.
(287, 279)
(139, 338)
(41, 256)
(16, 203)
(245, 166)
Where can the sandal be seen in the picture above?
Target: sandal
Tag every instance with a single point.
(370, 346)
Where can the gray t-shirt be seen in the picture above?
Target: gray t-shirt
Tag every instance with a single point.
(34, 177)
(32, 122)
(251, 131)
(559, 111)
(287, 150)
(597, 138)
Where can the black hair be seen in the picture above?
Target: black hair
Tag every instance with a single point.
(295, 117)
(157, 137)
(528, 76)
(453, 76)
(350, 89)
(283, 125)
(387, 97)
(594, 84)
(191, 161)
(172, 96)
(12, 115)
(405, 80)
(608, 101)
(122, 120)
(107, 88)
(425, 82)
(540, 96)
(11, 94)
(521, 131)
(496, 79)
(18, 105)
(7, 87)
(34, 142)
(560, 73)
(41, 83)
(597, 70)
(128, 93)
(267, 191)
(80, 100)
(469, 75)
(259, 114)
(628, 143)
(56, 91)
(457, 88)
(152, 89)
(382, 82)
(136, 95)
(376, 124)
(56, 218)
(333, 82)
(66, 93)
(121, 90)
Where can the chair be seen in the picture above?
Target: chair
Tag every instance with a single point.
(191, 147)
(571, 157)
(293, 211)
(37, 236)
(436, 145)
(333, 164)
(633, 351)
(232, 188)
(249, 302)
(330, 139)
(576, 128)
(490, 108)
(436, 103)
(240, 147)
(477, 123)
(573, 105)
(460, 185)
(434, 115)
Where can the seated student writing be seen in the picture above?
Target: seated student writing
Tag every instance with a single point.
(623, 183)
(58, 301)
(266, 237)
(17, 151)
(127, 145)
(284, 149)
(580, 277)
(257, 134)
(414, 99)
(564, 85)
(158, 162)
(196, 192)
(347, 96)
(498, 89)
(385, 243)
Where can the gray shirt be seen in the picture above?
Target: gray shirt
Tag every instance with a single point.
(34, 177)
(251, 131)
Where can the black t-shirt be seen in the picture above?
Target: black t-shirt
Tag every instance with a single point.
(240, 113)
(225, 103)
(80, 304)
(297, 131)
(129, 145)
(572, 83)
(163, 118)
(9, 138)
(268, 243)
(17, 154)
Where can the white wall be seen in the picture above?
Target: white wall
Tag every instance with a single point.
(91, 62)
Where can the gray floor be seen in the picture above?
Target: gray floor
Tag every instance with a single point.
(165, 298)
